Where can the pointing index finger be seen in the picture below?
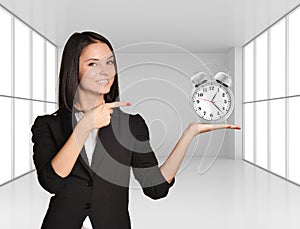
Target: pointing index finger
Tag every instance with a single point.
(118, 104)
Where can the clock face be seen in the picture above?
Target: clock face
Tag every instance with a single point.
(212, 101)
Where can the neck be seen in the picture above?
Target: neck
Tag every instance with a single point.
(87, 101)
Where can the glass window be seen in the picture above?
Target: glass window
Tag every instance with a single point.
(22, 137)
(37, 109)
(5, 54)
(277, 136)
(38, 74)
(248, 132)
(294, 53)
(293, 142)
(51, 107)
(5, 136)
(261, 134)
(22, 60)
(261, 59)
(248, 72)
(51, 72)
(277, 60)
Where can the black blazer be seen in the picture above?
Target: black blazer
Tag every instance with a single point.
(100, 190)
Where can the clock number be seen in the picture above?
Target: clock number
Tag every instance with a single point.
(204, 112)
(225, 101)
(211, 115)
(223, 108)
(204, 89)
(201, 94)
(223, 94)
(211, 88)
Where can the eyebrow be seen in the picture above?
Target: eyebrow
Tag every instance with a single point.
(95, 59)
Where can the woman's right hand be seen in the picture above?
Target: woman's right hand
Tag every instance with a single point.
(100, 115)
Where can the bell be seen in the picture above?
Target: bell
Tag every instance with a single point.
(223, 78)
(199, 78)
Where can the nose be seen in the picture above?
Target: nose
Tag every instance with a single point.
(103, 69)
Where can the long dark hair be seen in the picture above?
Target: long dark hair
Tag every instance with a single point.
(69, 69)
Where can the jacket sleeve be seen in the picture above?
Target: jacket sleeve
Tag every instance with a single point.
(44, 149)
(144, 163)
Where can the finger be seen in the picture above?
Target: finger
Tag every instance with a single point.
(231, 126)
(118, 104)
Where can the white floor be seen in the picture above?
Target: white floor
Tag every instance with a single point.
(231, 194)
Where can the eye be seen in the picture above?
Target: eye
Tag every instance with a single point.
(110, 62)
(93, 64)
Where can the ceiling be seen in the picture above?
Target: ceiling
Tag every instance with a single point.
(194, 25)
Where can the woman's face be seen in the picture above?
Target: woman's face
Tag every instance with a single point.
(96, 68)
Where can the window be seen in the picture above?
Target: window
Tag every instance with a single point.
(261, 133)
(294, 53)
(6, 143)
(271, 109)
(261, 63)
(21, 57)
(38, 67)
(51, 73)
(248, 72)
(293, 139)
(277, 60)
(248, 139)
(22, 137)
(5, 56)
(27, 90)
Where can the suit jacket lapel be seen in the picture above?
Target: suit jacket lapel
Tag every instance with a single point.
(104, 140)
(68, 122)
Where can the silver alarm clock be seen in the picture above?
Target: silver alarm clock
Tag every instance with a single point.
(212, 97)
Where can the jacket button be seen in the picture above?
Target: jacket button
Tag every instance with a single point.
(87, 206)
(89, 183)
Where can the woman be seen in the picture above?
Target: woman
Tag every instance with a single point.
(94, 185)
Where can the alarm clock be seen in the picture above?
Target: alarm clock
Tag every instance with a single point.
(212, 98)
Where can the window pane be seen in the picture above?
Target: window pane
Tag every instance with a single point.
(22, 137)
(277, 60)
(277, 136)
(248, 72)
(37, 109)
(294, 53)
(5, 54)
(5, 136)
(294, 126)
(51, 72)
(262, 67)
(38, 74)
(51, 107)
(21, 60)
(248, 131)
(261, 134)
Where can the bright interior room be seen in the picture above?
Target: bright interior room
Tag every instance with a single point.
(228, 178)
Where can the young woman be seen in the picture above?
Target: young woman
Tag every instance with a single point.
(84, 151)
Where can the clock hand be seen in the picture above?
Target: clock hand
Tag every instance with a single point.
(207, 100)
(217, 107)
(214, 97)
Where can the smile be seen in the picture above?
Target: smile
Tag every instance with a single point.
(105, 81)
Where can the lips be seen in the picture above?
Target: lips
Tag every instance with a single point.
(102, 81)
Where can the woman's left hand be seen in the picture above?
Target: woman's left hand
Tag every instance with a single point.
(196, 128)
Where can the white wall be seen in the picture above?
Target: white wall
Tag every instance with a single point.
(161, 94)
(234, 63)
